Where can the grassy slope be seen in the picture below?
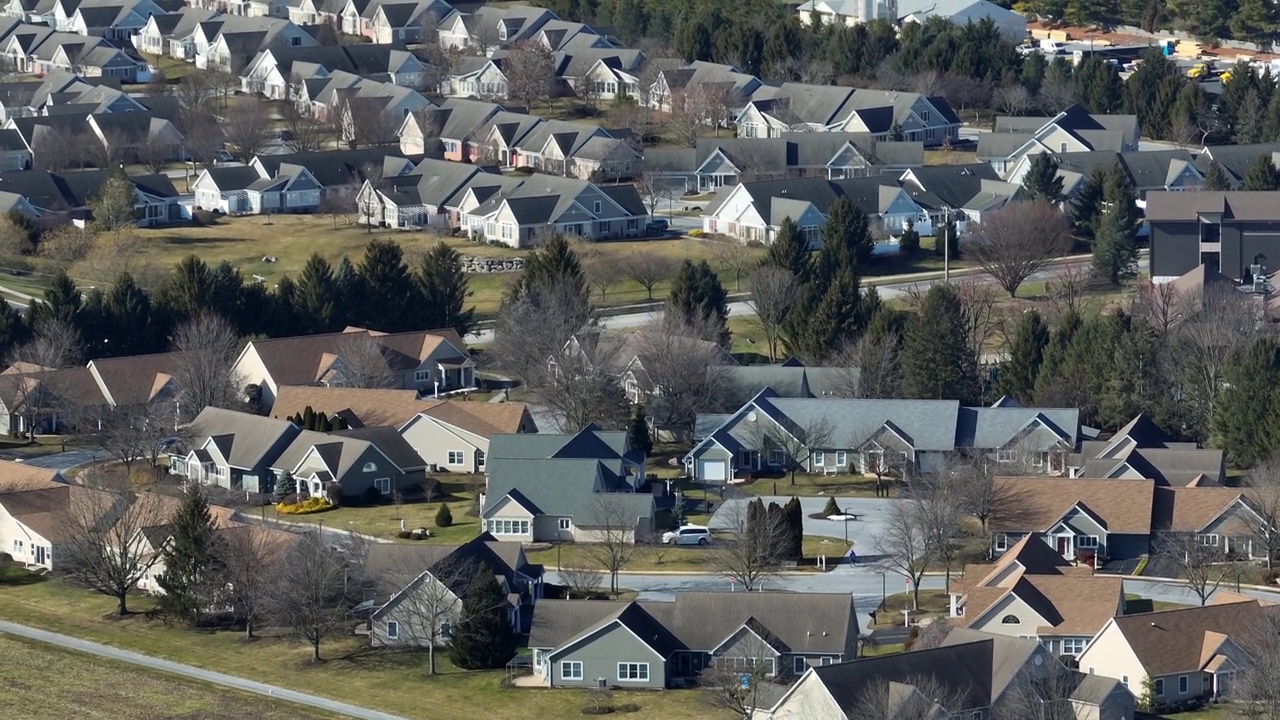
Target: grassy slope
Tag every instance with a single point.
(87, 687)
(390, 681)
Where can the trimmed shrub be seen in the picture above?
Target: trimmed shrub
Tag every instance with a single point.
(372, 496)
(444, 517)
(306, 507)
(831, 508)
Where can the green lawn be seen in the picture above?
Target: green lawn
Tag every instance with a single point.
(393, 682)
(85, 686)
(886, 649)
(383, 521)
(1157, 605)
(815, 485)
(931, 602)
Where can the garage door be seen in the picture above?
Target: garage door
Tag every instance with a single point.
(712, 470)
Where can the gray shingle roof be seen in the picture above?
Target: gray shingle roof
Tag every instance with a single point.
(991, 428)
(242, 438)
(930, 425)
(1239, 205)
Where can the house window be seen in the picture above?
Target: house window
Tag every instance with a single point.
(566, 524)
(219, 471)
(1006, 456)
(924, 116)
(371, 467)
(393, 629)
(422, 375)
(841, 458)
(1002, 542)
(819, 458)
(777, 457)
(596, 207)
(1159, 683)
(1210, 539)
(633, 672)
(1087, 542)
(1073, 646)
(1010, 620)
(509, 527)
(383, 485)
(17, 547)
(1062, 147)
(480, 460)
(825, 661)
(1125, 680)
(457, 457)
(1183, 685)
(798, 665)
(570, 669)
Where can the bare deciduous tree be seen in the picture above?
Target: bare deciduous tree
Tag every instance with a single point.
(66, 246)
(938, 502)
(247, 127)
(647, 269)
(315, 587)
(581, 582)
(1160, 304)
(919, 696)
(1256, 688)
(978, 305)
(305, 134)
(1012, 99)
(102, 528)
(747, 553)
(654, 189)
(1042, 692)
(603, 272)
(1017, 241)
(796, 443)
(904, 545)
(249, 556)
(774, 293)
(207, 348)
(1067, 289)
(728, 253)
(363, 362)
(1263, 497)
(368, 124)
(742, 684)
(431, 599)
(1212, 330)
(685, 371)
(613, 540)
(530, 71)
(1196, 561)
(869, 368)
(38, 391)
(136, 433)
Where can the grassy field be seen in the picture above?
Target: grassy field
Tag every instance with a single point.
(949, 157)
(291, 239)
(383, 521)
(394, 682)
(93, 688)
(931, 602)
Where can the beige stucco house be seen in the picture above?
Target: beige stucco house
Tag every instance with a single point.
(454, 436)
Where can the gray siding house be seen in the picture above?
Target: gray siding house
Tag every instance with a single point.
(842, 435)
(1087, 520)
(233, 450)
(656, 644)
(1225, 231)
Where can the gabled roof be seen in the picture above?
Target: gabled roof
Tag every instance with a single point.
(16, 477)
(134, 379)
(964, 669)
(359, 406)
(333, 167)
(304, 359)
(230, 178)
(244, 440)
(1191, 509)
(1125, 506)
(1172, 641)
(1238, 205)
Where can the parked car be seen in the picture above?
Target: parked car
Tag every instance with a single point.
(656, 227)
(687, 535)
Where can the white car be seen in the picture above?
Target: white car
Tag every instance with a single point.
(687, 535)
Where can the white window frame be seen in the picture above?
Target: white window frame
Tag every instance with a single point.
(1005, 620)
(799, 665)
(825, 661)
(17, 547)
(383, 484)
(842, 458)
(819, 458)
(461, 457)
(571, 670)
(1086, 542)
(1006, 456)
(1002, 542)
(393, 629)
(633, 672)
(1069, 645)
(1209, 539)
(421, 375)
(1039, 459)
(1159, 687)
(1184, 684)
(566, 523)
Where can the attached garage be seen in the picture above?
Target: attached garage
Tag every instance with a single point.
(713, 470)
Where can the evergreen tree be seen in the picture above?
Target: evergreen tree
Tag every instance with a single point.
(832, 315)
(286, 484)
(1250, 120)
(794, 514)
(555, 264)
(909, 243)
(1271, 123)
(281, 318)
(937, 359)
(190, 560)
(350, 289)
(700, 300)
(318, 299)
(14, 331)
(790, 251)
(443, 286)
(1246, 417)
(895, 132)
(1254, 21)
(846, 237)
(188, 291)
(127, 318)
(62, 302)
(1215, 178)
(114, 207)
(308, 419)
(1261, 175)
(1088, 201)
(1115, 247)
(390, 297)
(1042, 181)
(638, 436)
(483, 638)
(1026, 353)
(444, 516)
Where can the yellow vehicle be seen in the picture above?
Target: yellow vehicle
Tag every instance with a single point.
(1225, 77)
(1199, 71)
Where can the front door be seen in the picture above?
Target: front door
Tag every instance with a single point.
(1065, 547)
(40, 554)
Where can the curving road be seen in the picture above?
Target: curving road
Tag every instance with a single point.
(194, 673)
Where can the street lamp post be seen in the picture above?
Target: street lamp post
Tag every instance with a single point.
(884, 597)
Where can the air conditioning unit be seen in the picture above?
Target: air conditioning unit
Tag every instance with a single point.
(602, 683)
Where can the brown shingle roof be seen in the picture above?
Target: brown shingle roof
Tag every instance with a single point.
(299, 360)
(1123, 505)
(372, 407)
(1189, 509)
(1172, 641)
(136, 379)
(483, 419)
(16, 476)
(72, 385)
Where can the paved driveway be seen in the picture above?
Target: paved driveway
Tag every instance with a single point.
(872, 516)
(64, 461)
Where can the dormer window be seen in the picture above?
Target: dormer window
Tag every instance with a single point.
(502, 31)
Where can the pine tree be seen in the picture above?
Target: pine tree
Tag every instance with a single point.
(1088, 201)
(308, 419)
(832, 316)
(700, 300)
(638, 436)
(790, 251)
(1026, 353)
(350, 289)
(937, 359)
(318, 299)
(1215, 178)
(190, 560)
(1115, 247)
(390, 299)
(286, 484)
(846, 237)
(1254, 21)
(127, 318)
(443, 286)
(1246, 417)
(444, 516)
(555, 264)
(483, 638)
(794, 514)
(1042, 181)
(895, 132)
(1271, 123)
(1261, 175)
(909, 243)
(187, 292)
(1249, 120)
(114, 208)
(14, 331)
(62, 302)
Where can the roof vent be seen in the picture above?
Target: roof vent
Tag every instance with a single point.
(824, 633)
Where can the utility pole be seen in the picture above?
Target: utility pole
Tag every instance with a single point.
(946, 245)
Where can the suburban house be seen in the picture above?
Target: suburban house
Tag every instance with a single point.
(448, 128)
(430, 196)
(66, 195)
(156, 36)
(1033, 592)
(1071, 131)
(136, 380)
(1180, 654)
(957, 193)
(753, 211)
(226, 189)
(15, 154)
(491, 27)
(1146, 170)
(788, 379)
(334, 171)
(1092, 521)
(517, 213)
(241, 451)
(1223, 518)
(672, 84)
(1234, 159)
(963, 12)
(716, 162)
(982, 672)
(1225, 231)
(601, 73)
(231, 42)
(662, 644)
(1141, 449)
(430, 362)
(358, 407)
(478, 78)
(150, 541)
(48, 400)
(841, 435)
(276, 72)
(416, 585)
(882, 114)
(569, 149)
(455, 436)
(553, 487)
